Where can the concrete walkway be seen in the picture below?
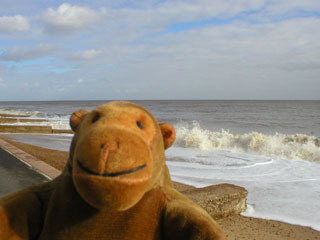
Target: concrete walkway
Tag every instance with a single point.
(15, 175)
(19, 169)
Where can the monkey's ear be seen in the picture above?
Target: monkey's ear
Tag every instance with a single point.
(168, 134)
(77, 117)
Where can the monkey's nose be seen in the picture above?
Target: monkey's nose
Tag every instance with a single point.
(105, 148)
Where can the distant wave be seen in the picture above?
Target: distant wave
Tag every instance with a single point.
(55, 124)
(34, 114)
(18, 112)
(55, 121)
(298, 146)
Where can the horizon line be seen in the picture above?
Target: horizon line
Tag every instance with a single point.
(92, 100)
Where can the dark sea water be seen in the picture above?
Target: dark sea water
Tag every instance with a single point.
(267, 117)
(289, 129)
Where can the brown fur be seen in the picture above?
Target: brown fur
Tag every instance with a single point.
(115, 185)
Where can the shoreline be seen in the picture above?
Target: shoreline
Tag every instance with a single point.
(235, 227)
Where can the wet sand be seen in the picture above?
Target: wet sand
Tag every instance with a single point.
(235, 227)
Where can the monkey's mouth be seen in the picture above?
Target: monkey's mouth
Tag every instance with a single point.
(87, 170)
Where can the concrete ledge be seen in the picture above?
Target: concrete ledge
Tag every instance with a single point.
(62, 131)
(181, 187)
(12, 115)
(25, 129)
(220, 200)
(28, 159)
(32, 129)
(12, 119)
(8, 120)
(26, 120)
(23, 120)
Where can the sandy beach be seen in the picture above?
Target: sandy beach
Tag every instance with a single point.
(235, 227)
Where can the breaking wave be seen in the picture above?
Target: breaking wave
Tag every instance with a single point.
(55, 124)
(54, 120)
(33, 114)
(19, 112)
(297, 146)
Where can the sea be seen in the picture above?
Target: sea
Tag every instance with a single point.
(272, 148)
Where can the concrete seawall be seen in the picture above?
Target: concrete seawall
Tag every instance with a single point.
(13, 115)
(32, 129)
(25, 129)
(9, 124)
(22, 120)
(220, 200)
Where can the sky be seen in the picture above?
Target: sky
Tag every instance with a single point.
(148, 49)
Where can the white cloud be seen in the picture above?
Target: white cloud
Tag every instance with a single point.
(17, 54)
(201, 9)
(68, 18)
(294, 40)
(131, 24)
(86, 55)
(10, 24)
(262, 45)
(233, 60)
(2, 84)
(174, 12)
(280, 7)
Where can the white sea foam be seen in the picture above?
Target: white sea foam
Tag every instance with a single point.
(298, 146)
(55, 124)
(19, 112)
(275, 185)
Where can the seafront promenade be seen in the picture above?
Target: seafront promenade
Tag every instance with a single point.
(19, 169)
(15, 175)
(11, 123)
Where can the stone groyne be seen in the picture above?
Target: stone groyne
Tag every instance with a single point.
(10, 123)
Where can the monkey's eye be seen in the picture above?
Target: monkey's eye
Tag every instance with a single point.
(140, 125)
(95, 118)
